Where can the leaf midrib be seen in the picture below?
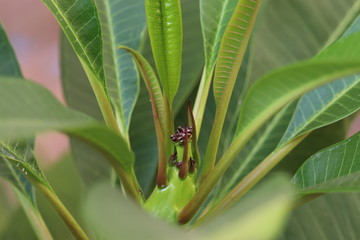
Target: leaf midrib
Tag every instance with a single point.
(75, 36)
(217, 36)
(328, 105)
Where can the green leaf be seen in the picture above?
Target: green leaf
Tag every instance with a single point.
(274, 90)
(8, 63)
(165, 31)
(80, 22)
(90, 162)
(313, 143)
(34, 109)
(215, 15)
(233, 46)
(21, 118)
(152, 85)
(117, 216)
(324, 106)
(267, 206)
(144, 146)
(328, 104)
(310, 26)
(19, 149)
(332, 217)
(333, 169)
(267, 27)
(232, 50)
(256, 150)
(122, 23)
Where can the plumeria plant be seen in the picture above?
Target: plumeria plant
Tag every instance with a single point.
(195, 119)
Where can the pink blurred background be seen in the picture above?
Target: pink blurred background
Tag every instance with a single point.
(34, 34)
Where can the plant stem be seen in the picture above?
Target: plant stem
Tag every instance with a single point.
(201, 98)
(62, 211)
(130, 184)
(252, 178)
(34, 216)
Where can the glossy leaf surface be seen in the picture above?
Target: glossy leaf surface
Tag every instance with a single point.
(334, 169)
(165, 31)
(80, 22)
(274, 90)
(233, 47)
(122, 23)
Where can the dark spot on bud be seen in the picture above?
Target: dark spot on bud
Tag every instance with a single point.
(192, 165)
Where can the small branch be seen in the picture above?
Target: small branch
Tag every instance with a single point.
(201, 98)
(62, 211)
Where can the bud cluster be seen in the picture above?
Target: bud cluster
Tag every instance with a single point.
(179, 136)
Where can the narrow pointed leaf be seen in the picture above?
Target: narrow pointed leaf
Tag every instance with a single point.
(232, 51)
(334, 169)
(165, 31)
(122, 78)
(233, 47)
(215, 15)
(8, 63)
(157, 106)
(193, 61)
(151, 82)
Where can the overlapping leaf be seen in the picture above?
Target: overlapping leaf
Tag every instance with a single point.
(266, 206)
(233, 47)
(89, 161)
(283, 49)
(144, 145)
(335, 169)
(122, 23)
(274, 90)
(232, 51)
(21, 117)
(261, 145)
(80, 22)
(165, 31)
(119, 217)
(21, 150)
(332, 217)
(215, 15)
(310, 26)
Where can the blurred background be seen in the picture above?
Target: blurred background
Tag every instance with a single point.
(34, 34)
